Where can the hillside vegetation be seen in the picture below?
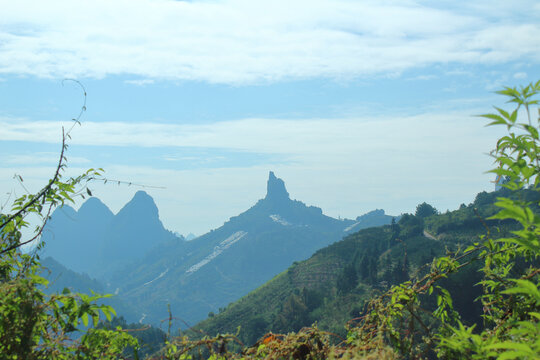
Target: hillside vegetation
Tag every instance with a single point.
(333, 286)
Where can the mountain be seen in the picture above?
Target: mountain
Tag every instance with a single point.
(202, 275)
(333, 285)
(61, 277)
(134, 256)
(134, 230)
(93, 240)
(190, 236)
(75, 238)
(373, 218)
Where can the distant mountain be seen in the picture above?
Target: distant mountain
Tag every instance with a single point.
(134, 230)
(200, 276)
(373, 218)
(95, 241)
(190, 236)
(61, 277)
(75, 238)
(134, 256)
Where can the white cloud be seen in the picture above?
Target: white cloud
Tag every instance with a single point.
(238, 41)
(140, 82)
(353, 165)
(424, 77)
(305, 138)
(39, 158)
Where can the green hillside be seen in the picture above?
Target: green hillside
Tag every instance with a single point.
(332, 286)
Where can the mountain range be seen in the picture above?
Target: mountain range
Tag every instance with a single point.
(149, 267)
(94, 241)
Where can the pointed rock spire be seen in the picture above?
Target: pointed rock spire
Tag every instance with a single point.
(275, 188)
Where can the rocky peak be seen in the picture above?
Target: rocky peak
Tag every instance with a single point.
(372, 213)
(93, 207)
(142, 196)
(275, 188)
(141, 205)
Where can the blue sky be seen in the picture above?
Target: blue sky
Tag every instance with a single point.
(357, 105)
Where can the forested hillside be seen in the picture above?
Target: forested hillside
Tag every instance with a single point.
(333, 286)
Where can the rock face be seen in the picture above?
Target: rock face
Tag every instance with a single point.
(275, 189)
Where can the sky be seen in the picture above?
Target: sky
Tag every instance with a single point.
(356, 105)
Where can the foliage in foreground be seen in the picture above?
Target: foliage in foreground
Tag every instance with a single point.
(396, 326)
(34, 325)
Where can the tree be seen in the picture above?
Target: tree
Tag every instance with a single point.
(347, 280)
(483, 198)
(394, 227)
(372, 270)
(424, 210)
(410, 225)
(364, 267)
(294, 315)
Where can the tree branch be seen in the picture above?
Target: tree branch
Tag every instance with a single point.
(39, 195)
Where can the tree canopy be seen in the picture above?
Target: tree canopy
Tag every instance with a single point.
(424, 210)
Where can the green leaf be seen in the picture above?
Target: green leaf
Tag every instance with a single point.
(513, 355)
(510, 345)
(524, 287)
(85, 319)
(498, 120)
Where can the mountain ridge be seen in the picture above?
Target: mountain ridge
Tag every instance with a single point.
(200, 276)
(142, 262)
(93, 240)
